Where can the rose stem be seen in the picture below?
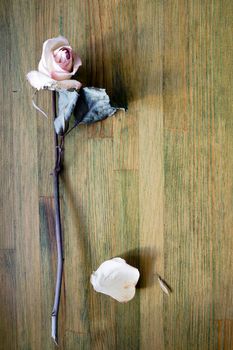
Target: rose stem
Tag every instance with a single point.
(58, 230)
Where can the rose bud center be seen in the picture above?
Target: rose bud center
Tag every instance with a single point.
(63, 56)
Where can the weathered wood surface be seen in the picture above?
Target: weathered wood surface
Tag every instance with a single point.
(153, 185)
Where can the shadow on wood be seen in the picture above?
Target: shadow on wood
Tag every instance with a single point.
(144, 260)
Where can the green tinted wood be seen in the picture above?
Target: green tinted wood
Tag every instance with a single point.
(153, 185)
(8, 300)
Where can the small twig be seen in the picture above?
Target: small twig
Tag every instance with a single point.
(58, 230)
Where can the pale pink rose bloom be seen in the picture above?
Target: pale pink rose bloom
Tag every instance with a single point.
(57, 65)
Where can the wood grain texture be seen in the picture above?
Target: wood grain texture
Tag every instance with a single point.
(7, 240)
(7, 300)
(151, 174)
(153, 185)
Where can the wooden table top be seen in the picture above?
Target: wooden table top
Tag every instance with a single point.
(153, 185)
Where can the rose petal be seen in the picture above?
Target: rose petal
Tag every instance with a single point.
(58, 52)
(62, 75)
(68, 84)
(55, 66)
(48, 64)
(60, 58)
(47, 53)
(77, 63)
(116, 278)
(40, 81)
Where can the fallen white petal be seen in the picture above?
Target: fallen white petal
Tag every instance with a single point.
(116, 278)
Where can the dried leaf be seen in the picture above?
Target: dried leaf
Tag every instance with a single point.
(93, 105)
(163, 285)
(89, 106)
(66, 103)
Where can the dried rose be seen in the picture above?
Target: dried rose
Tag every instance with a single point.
(57, 65)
